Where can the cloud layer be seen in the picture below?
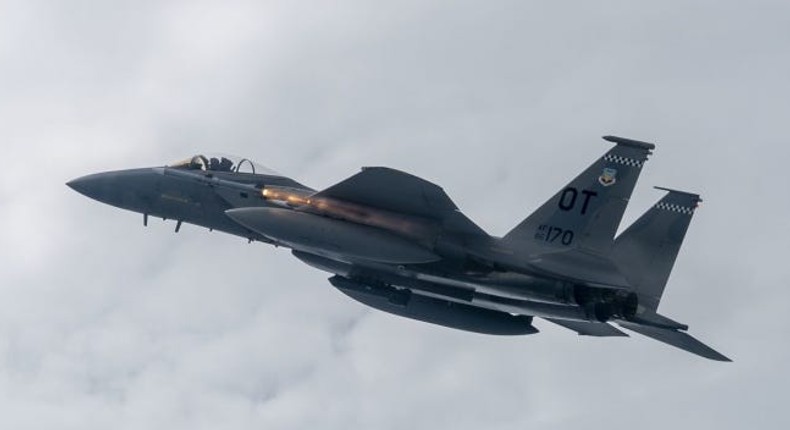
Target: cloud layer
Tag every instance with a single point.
(106, 324)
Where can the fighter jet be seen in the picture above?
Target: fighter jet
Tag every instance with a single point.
(398, 243)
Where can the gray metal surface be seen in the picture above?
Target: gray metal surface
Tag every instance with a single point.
(399, 244)
(320, 235)
(596, 329)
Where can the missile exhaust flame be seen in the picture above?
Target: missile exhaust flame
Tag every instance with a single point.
(406, 225)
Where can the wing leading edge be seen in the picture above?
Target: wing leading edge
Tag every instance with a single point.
(595, 329)
(392, 190)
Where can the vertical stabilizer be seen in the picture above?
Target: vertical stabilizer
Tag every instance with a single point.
(646, 251)
(586, 212)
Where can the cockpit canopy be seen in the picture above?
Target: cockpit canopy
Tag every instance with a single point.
(223, 163)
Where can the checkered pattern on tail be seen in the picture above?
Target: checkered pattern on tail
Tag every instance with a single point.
(675, 208)
(623, 160)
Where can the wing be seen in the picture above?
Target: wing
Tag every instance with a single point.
(400, 192)
(589, 328)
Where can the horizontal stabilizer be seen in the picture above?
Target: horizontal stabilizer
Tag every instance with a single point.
(596, 329)
(653, 319)
(678, 339)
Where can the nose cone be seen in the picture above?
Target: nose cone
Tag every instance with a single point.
(90, 185)
(96, 186)
(123, 188)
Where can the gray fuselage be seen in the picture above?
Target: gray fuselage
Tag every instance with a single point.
(465, 273)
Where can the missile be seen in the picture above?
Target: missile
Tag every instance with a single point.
(321, 235)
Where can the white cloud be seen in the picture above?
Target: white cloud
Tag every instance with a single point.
(106, 324)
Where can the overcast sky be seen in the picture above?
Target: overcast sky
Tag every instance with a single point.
(106, 324)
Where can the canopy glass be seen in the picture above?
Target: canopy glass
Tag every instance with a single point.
(223, 163)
